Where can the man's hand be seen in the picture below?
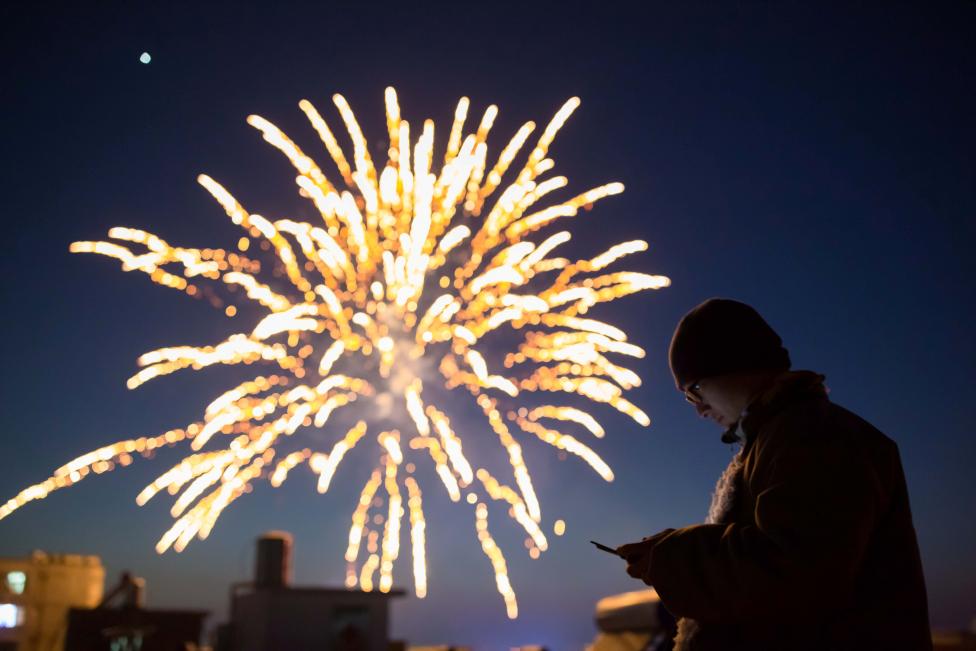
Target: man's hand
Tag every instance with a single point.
(638, 554)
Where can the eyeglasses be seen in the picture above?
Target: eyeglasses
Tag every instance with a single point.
(693, 393)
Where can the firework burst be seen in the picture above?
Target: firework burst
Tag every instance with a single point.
(400, 282)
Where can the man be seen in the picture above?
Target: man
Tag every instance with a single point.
(809, 541)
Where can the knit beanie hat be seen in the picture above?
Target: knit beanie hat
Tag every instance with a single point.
(723, 336)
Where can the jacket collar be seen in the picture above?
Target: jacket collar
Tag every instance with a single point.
(786, 389)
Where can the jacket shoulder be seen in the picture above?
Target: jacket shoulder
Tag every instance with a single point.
(821, 419)
(819, 431)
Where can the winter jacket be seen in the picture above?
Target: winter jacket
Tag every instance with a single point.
(812, 545)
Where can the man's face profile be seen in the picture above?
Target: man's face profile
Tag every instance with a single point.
(714, 398)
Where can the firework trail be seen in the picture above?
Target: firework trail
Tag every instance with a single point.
(405, 269)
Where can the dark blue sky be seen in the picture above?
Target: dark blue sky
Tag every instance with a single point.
(816, 162)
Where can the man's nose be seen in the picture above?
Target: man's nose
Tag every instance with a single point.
(702, 408)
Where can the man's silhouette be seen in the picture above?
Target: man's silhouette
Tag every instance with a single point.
(809, 541)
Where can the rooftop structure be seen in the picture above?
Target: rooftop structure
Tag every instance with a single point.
(632, 621)
(271, 614)
(36, 593)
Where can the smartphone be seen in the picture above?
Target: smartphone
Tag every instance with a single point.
(609, 550)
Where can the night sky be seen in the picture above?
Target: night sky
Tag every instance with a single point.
(816, 163)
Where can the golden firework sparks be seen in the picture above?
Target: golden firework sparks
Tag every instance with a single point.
(385, 278)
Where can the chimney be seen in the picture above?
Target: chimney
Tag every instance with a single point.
(272, 568)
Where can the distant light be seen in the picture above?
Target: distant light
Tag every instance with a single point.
(16, 581)
(11, 616)
(145, 58)
(559, 528)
